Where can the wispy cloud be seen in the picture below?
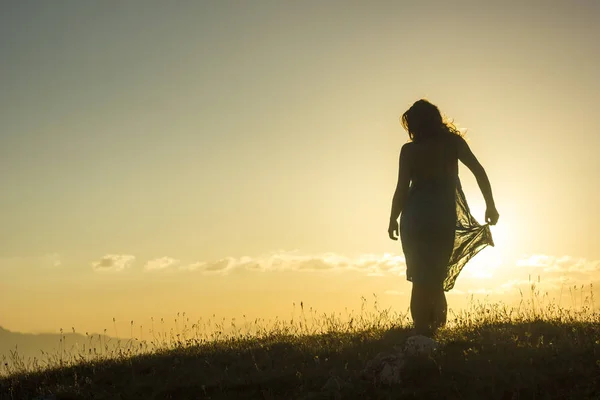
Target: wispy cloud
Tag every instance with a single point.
(561, 264)
(484, 276)
(535, 261)
(51, 260)
(544, 273)
(371, 264)
(161, 263)
(113, 263)
(192, 267)
(514, 284)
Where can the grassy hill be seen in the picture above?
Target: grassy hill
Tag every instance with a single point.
(487, 352)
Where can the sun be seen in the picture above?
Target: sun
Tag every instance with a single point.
(500, 234)
(484, 265)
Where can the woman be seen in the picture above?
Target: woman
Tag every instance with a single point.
(438, 233)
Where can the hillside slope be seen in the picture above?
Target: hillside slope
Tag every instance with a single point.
(537, 359)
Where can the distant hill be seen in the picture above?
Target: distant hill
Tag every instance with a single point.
(31, 345)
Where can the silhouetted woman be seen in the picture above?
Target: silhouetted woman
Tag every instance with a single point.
(438, 233)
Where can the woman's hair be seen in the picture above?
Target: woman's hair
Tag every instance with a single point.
(423, 120)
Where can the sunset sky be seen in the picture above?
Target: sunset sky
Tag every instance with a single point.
(234, 157)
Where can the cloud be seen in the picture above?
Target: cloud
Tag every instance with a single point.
(113, 262)
(192, 267)
(562, 264)
(51, 260)
(515, 283)
(370, 264)
(548, 273)
(159, 264)
(220, 266)
(536, 261)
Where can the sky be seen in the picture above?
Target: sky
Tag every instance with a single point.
(231, 157)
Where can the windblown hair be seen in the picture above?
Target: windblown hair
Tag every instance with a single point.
(424, 120)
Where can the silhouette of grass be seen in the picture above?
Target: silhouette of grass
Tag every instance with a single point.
(536, 350)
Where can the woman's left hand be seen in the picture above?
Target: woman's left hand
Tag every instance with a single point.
(393, 229)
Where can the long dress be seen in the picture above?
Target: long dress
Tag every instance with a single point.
(438, 233)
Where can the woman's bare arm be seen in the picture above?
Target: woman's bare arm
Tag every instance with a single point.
(466, 156)
(402, 186)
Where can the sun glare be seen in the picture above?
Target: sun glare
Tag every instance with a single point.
(484, 265)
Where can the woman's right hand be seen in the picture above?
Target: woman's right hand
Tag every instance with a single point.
(393, 229)
(491, 215)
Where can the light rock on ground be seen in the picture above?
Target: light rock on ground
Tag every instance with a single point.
(420, 345)
(387, 367)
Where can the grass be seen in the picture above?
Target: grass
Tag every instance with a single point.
(536, 350)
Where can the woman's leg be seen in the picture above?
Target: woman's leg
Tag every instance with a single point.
(440, 310)
(421, 308)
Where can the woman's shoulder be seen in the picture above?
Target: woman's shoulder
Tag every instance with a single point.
(457, 139)
(407, 146)
(407, 149)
